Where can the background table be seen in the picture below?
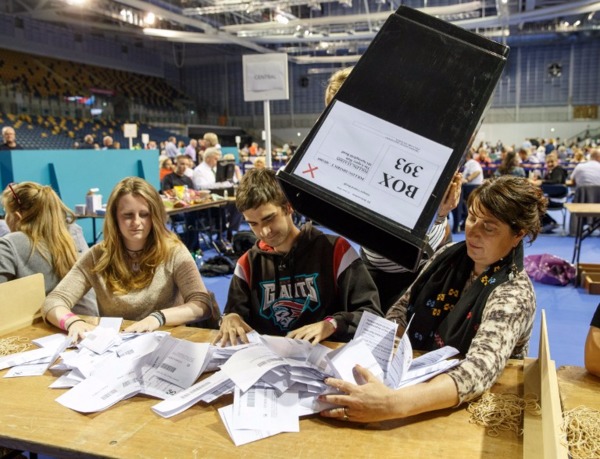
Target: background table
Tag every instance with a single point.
(581, 210)
(31, 420)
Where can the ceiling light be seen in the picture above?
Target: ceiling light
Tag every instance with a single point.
(150, 18)
(346, 3)
(577, 23)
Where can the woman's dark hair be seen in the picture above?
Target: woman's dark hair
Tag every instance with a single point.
(514, 201)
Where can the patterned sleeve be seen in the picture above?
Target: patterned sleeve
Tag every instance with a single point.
(504, 332)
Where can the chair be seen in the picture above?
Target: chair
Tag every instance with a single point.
(589, 194)
(557, 196)
(21, 302)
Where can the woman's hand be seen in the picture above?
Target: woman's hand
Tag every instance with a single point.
(77, 329)
(315, 333)
(148, 324)
(369, 402)
(233, 329)
(452, 196)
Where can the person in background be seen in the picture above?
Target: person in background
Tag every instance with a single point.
(211, 140)
(259, 163)
(140, 271)
(88, 142)
(555, 175)
(472, 172)
(592, 345)
(237, 174)
(510, 166)
(171, 149)
(9, 139)
(472, 175)
(296, 282)
(473, 295)
(391, 278)
(117, 145)
(166, 167)
(587, 173)
(178, 177)
(578, 156)
(191, 151)
(108, 143)
(204, 176)
(40, 240)
(483, 157)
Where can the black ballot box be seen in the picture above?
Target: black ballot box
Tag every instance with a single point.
(376, 164)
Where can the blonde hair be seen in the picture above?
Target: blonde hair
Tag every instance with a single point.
(113, 264)
(211, 139)
(335, 83)
(44, 219)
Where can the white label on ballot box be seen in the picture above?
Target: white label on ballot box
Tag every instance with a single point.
(376, 164)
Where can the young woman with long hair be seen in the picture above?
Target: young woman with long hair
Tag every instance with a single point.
(141, 271)
(39, 241)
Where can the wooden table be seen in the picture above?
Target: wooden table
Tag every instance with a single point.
(581, 210)
(209, 204)
(31, 420)
(578, 387)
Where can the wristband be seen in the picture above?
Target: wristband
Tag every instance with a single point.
(76, 320)
(158, 315)
(64, 318)
(332, 321)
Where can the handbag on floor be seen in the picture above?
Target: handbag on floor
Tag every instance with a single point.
(549, 269)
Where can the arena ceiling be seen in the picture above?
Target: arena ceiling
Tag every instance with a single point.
(310, 31)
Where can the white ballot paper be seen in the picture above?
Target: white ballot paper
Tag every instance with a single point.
(24, 357)
(99, 393)
(261, 405)
(180, 402)
(245, 367)
(100, 339)
(378, 334)
(242, 436)
(344, 359)
(400, 363)
(40, 368)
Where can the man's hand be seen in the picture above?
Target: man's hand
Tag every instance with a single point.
(315, 333)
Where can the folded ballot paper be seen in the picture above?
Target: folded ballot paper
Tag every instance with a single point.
(274, 379)
(278, 380)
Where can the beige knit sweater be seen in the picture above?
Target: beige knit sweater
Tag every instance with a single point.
(176, 281)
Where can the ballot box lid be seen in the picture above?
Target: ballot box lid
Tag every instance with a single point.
(376, 164)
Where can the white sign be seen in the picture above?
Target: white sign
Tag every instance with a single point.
(130, 130)
(265, 77)
(377, 165)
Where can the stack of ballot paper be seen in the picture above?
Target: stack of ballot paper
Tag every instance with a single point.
(278, 380)
(274, 379)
